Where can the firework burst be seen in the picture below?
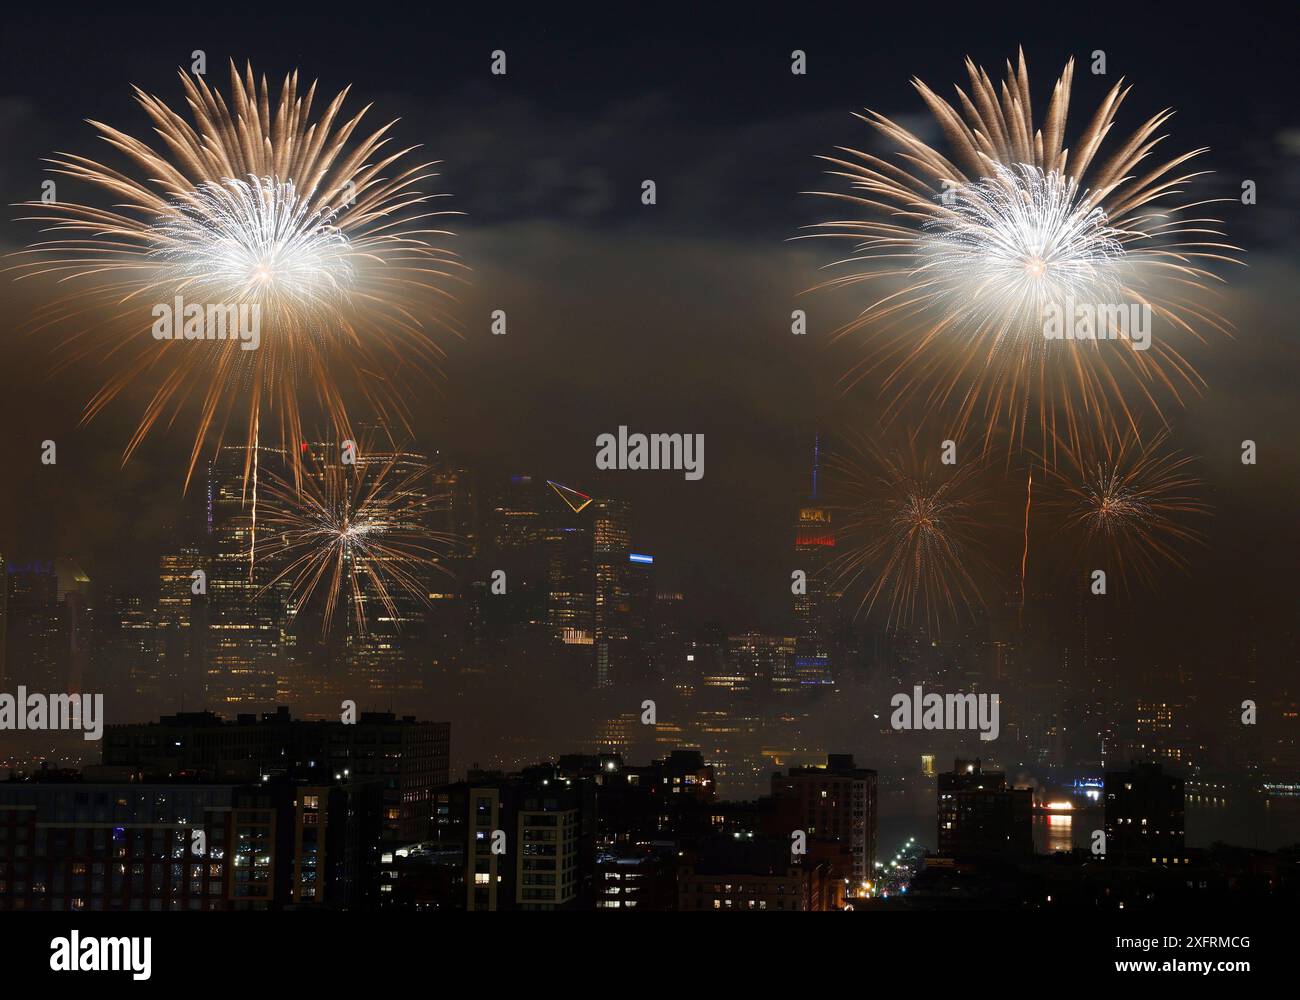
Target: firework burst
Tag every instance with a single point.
(251, 205)
(1127, 502)
(968, 252)
(353, 532)
(907, 534)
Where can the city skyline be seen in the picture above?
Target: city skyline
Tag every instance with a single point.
(652, 460)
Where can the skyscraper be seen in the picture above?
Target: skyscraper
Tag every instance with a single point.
(181, 621)
(814, 547)
(32, 603)
(246, 628)
(835, 804)
(611, 533)
(981, 815)
(49, 624)
(515, 527)
(387, 656)
(570, 588)
(4, 618)
(1144, 817)
(757, 663)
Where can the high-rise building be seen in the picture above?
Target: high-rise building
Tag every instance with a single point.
(457, 514)
(729, 875)
(380, 637)
(815, 601)
(835, 805)
(130, 653)
(612, 545)
(78, 625)
(671, 665)
(407, 757)
(662, 800)
(982, 816)
(247, 612)
(756, 664)
(641, 878)
(403, 613)
(1159, 731)
(117, 841)
(181, 621)
(530, 840)
(4, 619)
(639, 590)
(1144, 816)
(570, 590)
(50, 625)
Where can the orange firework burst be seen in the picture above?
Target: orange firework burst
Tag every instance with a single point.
(908, 532)
(359, 530)
(974, 254)
(1127, 501)
(253, 211)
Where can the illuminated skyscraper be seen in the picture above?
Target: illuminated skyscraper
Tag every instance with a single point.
(176, 585)
(757, 663)
(835, 803)
(612, 546)
(570, 588)
(78, 619)
(670, 643)
(181, 621)
(459, 514)
(246, 628)
(641, 607)
(814, 546)
(516, 525)
(129, 650)
(1144, 817)
(50, 625)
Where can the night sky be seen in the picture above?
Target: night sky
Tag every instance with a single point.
(675, 317)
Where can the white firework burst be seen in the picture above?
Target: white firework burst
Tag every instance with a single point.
(321, 224)
(1017, 243)
(966, 248)
(257, 241)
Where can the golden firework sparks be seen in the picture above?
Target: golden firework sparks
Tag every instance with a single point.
(971, 254)
(908, 532)
(358, 532)
(252, 206)
(1128, 502)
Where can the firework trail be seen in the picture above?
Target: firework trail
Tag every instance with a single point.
(1024, 557)
(969, 251)
(356, 532)
(252, 534)
(1127, 502)
(907, 532)
(322, 237)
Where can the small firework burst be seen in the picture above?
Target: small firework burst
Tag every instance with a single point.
(359, 533)
(908, 532)
(1128, 503)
